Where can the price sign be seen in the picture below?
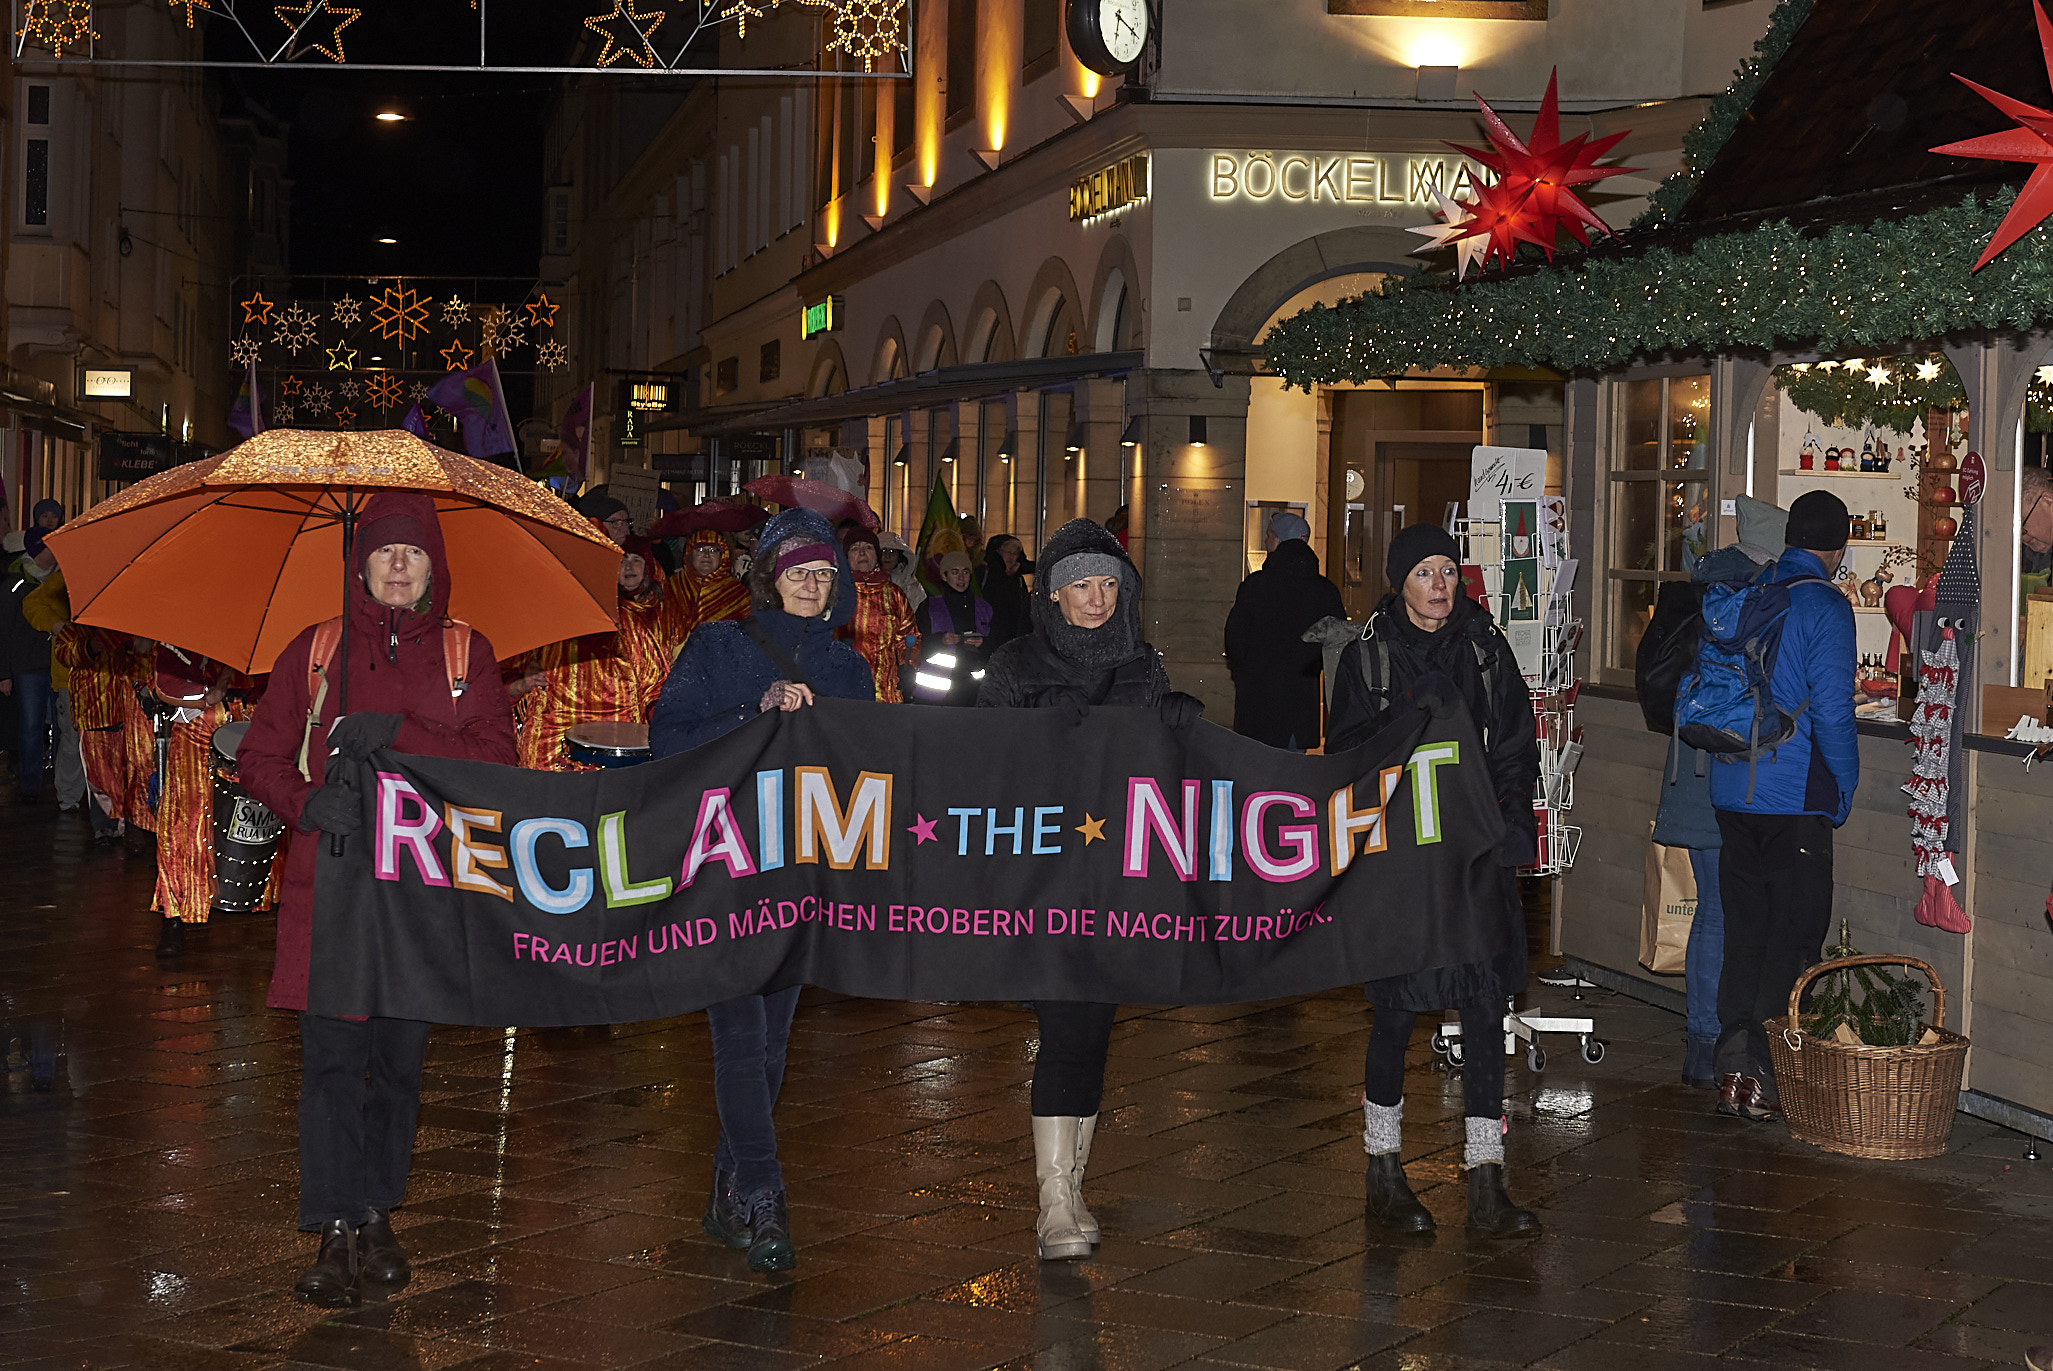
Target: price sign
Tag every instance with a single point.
(1497, 474)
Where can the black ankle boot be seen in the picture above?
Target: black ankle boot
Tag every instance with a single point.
(379, 1255)
(170, 938)
(769, 1221)
(1490, 1207)
(331, 1280)
(1391, 1202)
(726, 1219)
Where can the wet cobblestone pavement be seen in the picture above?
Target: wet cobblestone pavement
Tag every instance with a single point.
(147, 1199)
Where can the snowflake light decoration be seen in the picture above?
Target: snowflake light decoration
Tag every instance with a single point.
(348, 389)
(317, 396)
(282, 412)
(867, 29)
(419, 392)
(244, 350)
(295, 330)
(400, 314)
(500, 333)
(455, 311)
(383, 390)
(189, 6)
(741, 11)
(348, 311)
(57, 24)
(552, 356)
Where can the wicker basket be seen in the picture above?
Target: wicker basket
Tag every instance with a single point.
(1886, 1103)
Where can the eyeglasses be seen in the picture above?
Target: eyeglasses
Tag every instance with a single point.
(822, 575)
(627, 519)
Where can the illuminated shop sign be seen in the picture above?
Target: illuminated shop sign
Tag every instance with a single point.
(1110, 190)
(1347, 178)
(821, 316)
(650, 397)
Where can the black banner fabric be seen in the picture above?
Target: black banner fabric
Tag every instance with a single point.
(912, 854)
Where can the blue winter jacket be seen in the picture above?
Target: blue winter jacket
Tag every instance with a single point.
(1816, 771)
(720, 676)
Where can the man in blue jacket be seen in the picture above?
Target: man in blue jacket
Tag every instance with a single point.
(1775, 873)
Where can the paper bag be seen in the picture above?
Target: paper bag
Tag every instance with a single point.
(1668, 910)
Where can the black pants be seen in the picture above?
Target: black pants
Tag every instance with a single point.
(1069, 1070)
(1775, 880)
(750, 1035)
(1482, 1058)
(359, 1095)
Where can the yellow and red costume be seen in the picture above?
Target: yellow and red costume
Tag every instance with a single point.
(878, 630)
(185, 799)
(715, 597)
(601, 676)
(103, 669)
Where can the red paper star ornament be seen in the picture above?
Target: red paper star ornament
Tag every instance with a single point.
(2031, 141)
(1534, 196)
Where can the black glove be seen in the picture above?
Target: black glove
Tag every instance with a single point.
(1070, 701)
(357, 736)
(333, 808)
(1180, 711)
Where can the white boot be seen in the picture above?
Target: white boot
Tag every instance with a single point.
(1057, 1233)
(1088, 1225)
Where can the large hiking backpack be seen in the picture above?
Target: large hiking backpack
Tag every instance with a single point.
(1667, 651)
(1725, 705)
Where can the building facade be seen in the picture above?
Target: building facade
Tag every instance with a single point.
(133, 203)
(1046, 287)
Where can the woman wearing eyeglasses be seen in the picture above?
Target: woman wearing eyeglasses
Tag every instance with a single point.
(782, 657)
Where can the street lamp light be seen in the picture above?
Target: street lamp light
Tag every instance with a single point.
(390, 116)
(388, 240)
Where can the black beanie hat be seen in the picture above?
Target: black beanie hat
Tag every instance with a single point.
(1818, 521)
(1413, 546)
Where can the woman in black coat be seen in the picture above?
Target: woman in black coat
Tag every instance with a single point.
(1085, 650)
(1428, 637)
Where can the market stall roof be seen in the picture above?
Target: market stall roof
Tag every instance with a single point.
(1849, 112)
(929, 388)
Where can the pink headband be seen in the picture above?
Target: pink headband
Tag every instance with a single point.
(799, 556)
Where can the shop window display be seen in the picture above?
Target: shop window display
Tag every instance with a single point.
(1659, 498)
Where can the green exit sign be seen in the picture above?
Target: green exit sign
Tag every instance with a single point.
(822, 316)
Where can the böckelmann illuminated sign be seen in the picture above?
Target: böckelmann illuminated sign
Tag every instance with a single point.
(1109, 190)
(1343, 178)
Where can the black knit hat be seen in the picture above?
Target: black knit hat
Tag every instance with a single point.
(1414, 545)
(1818, 521)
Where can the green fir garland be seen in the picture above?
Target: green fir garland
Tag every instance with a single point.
(1702, 144)
(1847, 288)
(1846, 395)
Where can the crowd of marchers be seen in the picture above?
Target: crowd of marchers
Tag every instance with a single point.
(717, 626)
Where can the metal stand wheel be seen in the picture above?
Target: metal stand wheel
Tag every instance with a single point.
(1526, 1028)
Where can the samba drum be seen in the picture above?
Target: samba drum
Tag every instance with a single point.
(246, 834)
(608, 743)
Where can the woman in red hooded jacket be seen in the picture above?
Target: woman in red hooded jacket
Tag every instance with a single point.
(360, 1079)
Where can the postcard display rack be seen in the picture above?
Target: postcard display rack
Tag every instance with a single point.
(1515, 560)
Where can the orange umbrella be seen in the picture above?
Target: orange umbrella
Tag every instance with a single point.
(234, 555)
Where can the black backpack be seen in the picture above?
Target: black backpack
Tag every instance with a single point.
(1667, 651)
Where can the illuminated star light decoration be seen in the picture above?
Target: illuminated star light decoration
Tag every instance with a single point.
(58, 24)
(1534, 195)
(628, 33)
(301, 18)
(345, 416)
(342, 357)
(2031, 141)
(541, 313)
(1454, 215)
(256, 309)
(456, 356)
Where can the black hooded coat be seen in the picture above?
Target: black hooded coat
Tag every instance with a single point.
(1275, 671)
(1059, 664)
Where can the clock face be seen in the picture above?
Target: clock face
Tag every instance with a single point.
(1123, 28)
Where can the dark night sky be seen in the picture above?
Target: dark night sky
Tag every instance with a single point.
(459, 184)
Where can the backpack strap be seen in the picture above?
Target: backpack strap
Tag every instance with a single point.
(456, 656)
(327, 637)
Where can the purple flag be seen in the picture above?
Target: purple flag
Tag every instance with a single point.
(475, 398)
(576, 433)
(413, 422)
(246, 416)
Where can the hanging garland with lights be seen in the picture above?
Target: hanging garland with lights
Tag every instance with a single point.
(1886, 392)
(1848, 288)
